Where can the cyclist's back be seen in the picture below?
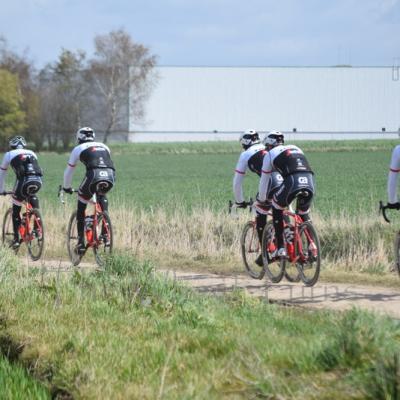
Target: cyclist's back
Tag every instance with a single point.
(99, 178)
(28, 179)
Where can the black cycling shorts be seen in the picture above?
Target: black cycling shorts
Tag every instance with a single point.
(26, 187)
(300, 185)
(98, 180)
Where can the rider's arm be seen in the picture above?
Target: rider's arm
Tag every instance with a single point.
(240, 172)
(393, 174)
(3, 171)
(265, 178)
(69, 171)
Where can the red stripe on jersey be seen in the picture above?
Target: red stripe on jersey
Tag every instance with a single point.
(4, 169)
(395, 170)
(240, 172)
(71, 165)
(266, 172)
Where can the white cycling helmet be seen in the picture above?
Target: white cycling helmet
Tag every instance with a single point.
(17, 142)
(85, 134)
(248, 138)
(274, 138)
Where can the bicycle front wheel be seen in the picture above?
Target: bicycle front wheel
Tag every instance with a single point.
(251, 250)
(72, 240)
(8, 231)
(274, 267)
(35, 234)
(104, 238)
(309, 252)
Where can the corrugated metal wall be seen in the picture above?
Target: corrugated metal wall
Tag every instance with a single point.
(230, 99)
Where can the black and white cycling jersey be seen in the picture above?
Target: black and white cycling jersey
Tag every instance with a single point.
(252, 159)
(288, 160)
(99, 167)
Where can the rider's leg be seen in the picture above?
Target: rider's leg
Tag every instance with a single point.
(277, 214)
(303, 206)
(102, 199)
(34, 201)
(16, 219)
(80, 222)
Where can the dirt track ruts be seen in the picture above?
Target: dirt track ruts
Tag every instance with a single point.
(335, 296)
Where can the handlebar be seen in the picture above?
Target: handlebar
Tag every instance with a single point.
(6, 193)
(383, 209)
(234, 206)
(61, 193)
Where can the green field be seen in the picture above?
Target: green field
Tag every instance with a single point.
(350, 176)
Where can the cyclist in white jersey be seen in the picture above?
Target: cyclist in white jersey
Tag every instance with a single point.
(252, 158)
(394, 170)
(99, 179)
(28, 173)
(298, 181)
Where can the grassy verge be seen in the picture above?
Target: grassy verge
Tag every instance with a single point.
(15, 383)
(130, 333)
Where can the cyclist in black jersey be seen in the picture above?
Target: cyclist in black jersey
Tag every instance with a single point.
(28, 173)
(252, 158)
(298, 181)
(99, 179)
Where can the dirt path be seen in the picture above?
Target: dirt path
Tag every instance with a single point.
(336, 296)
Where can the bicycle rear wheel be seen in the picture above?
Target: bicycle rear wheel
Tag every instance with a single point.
(274, 268)
(72, 240)
(309, 252)
(104, 238)
(35, 241)
(250, 249)
(8, 230)
(397, 252)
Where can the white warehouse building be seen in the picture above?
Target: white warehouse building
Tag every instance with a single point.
(206, 103)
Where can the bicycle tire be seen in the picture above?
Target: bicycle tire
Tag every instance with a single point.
(250, 249)
(103, 235)
(292, 276)
(397, 252)
(310, 258)
(72, 240)
(275, 269)
(8, 230)
(36, 231)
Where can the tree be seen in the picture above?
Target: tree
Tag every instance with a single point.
(63, 97)
(122, 72)
(12, 118)
(22, 67)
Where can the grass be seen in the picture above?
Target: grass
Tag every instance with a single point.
(15, 383)
(129, 332)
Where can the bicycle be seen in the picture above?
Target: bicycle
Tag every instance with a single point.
(31, 230)
(382, 209)
(98, 233)
(251, 248)
(302, 247)
(249, 243)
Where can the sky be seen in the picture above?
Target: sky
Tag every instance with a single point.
(213, 32)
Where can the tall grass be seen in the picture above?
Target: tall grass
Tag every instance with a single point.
(210, 239)
(128, 332)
